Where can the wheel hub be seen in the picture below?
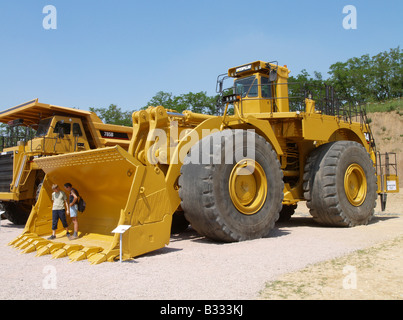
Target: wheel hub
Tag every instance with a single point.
(248, 186)
(355, 184)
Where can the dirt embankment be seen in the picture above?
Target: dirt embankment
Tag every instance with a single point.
(387, 128)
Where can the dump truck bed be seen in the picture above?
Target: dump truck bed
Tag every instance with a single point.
(33, 111)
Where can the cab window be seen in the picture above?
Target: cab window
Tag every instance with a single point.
(266, 87)
(62, 127)
(246, 87)
(43, 127)
(77, 130)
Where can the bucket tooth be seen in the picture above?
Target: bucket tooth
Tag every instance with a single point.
(66, 251)
(60, 253)
(19, 243)
(35, 244)
(106, 255)
(42, 251)
(103, 256)
(23, 245)
(22, 240)
(29, 249)
(11, 243)
(55, 246)
(97, 258)
(85, 253)
(49, 249)
(40, 243)
(28, 242)
(77, 256)
(22, 236)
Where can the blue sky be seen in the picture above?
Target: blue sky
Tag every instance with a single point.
(124, 51)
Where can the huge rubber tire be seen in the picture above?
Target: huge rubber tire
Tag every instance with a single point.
(221, 203)
(340, 184)
(179, 222)
(287, 212)
(18, 212)
(2, 216)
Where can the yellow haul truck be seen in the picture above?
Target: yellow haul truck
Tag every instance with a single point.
(230, 176)
(54, 130)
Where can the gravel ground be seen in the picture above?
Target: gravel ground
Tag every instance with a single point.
(374, 273)
(192, 267)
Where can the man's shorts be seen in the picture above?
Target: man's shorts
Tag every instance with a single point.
(73, 211)
(56, 215)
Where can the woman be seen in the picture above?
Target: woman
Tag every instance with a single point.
(73, 208)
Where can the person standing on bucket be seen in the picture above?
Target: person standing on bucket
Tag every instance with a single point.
(59, 199)
(73, 207)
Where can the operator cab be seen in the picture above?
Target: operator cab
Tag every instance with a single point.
(59, 134)
(259, 88)
(56, 134)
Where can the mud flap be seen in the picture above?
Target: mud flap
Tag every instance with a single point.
(118, 189)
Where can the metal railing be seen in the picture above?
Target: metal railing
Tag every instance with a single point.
(326, 100)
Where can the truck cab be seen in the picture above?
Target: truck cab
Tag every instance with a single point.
(59, 134)
(259, 87)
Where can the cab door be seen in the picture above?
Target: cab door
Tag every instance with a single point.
(69, 135)
(80, 142)
(266, 94)
(62, 136)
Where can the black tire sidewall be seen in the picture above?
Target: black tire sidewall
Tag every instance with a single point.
(355, 153)
(266, 216)
(208, 184)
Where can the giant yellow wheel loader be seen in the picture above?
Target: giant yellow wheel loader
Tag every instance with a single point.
(47, 130)
(229, 176)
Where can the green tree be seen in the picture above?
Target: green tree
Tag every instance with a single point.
(304, 85)
(114, 115)
(161, 98)
(369, 78)
(198, 102)
(387, 74)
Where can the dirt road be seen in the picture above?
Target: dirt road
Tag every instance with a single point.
(193, 267)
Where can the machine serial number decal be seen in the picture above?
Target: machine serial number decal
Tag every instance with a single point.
(114, 135)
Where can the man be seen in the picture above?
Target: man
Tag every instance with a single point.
(73, 207)
(58, 212)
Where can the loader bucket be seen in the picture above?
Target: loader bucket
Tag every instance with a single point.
(118, 189)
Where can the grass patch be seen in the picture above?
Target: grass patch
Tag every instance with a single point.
(393, 105)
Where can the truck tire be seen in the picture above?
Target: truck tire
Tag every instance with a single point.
(179, 222)
(340, 184)
(286, 212)
(223, 203)
(18, 212)
(2, 216)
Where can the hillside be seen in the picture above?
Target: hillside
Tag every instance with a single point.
(387, 128)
